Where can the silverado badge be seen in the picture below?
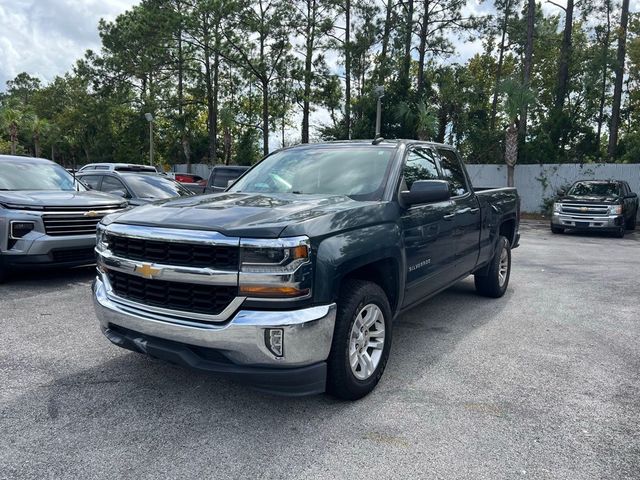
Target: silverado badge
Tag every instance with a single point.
(146, 270)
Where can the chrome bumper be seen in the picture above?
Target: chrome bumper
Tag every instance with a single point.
(307, 332)
(573, 221)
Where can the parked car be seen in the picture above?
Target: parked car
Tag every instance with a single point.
(290, 280)
(188, 178)
(46, 217)
(221, 176)
(137, 188)
(605, 205)
(119, 167)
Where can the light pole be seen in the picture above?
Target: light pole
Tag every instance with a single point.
(149, 118)
(379, 92)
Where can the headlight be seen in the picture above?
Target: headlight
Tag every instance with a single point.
(557, 207)
(276, 269)
(615, 209)
(101, 238)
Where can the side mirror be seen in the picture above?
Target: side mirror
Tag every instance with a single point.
(426, 191)
(561, 193)
(119, 193)
(631, 195)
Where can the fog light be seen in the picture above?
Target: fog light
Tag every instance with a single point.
(20, 229)
(274, 340)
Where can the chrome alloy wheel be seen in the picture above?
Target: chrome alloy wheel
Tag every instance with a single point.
(503, 267)
(366, 341)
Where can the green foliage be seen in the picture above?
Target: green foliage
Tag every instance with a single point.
(228, 80)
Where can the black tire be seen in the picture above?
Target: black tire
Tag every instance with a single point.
(3, 272)
(631, 224)
(557, 229)
(488, 282)
(620, 232)
(341, 381)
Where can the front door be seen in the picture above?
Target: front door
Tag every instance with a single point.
(427, 232)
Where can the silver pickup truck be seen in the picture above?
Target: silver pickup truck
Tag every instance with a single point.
(46, 217)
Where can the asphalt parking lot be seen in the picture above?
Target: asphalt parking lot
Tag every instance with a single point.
(543, 383)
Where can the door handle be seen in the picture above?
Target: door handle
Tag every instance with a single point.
(463, 211)
(449, 217)
(474, 210)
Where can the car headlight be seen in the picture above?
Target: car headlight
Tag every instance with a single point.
(557, 207)
(101, 237)
(275, 269)
(615, 209)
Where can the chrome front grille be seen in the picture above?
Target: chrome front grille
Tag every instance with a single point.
(578, 210)
(65, 221)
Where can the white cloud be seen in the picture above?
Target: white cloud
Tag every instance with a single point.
(45, 37)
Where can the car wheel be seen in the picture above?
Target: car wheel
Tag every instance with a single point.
(557, 229)
(631, 224)
(494, 280)
(361, 340)
(621, 231)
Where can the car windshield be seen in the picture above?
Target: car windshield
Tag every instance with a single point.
(586, 189)
(358, 172)
(156, 187)
(27, 175)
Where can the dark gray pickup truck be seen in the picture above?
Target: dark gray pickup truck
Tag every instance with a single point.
(291, 278)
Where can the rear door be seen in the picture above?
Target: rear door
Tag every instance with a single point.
(466, 220)
(427, 235)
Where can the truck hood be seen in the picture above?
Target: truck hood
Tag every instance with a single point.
(249, 214)
(56, 198)
(591, 199)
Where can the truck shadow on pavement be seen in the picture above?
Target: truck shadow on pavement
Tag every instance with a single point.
(132, 400)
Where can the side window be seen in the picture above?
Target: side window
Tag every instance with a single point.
(452, 172)
(109, 184)
(420, 165)
(222, 178)
(93, 181)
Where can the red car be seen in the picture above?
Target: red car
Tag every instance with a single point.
(188, 178)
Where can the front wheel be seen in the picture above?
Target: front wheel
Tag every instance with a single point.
(494, 281)
(557, 229)
(620, 232)
(361, 340)
(631, 224)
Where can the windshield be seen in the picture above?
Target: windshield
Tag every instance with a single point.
(151, 186)
(587, 189)
(359, 172)
(26, 175)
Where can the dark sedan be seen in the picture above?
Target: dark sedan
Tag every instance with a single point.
(137, 188)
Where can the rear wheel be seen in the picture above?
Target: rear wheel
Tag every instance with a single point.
(361, 340)
(495, 279)
(557, 229)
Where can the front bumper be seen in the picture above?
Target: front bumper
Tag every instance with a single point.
(609, 222)
(236, 347)
(36, 250)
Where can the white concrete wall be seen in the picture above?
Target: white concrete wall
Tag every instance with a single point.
(537, 182)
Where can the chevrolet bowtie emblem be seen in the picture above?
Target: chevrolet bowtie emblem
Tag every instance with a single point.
(146, 270)
(584, 209)
(91, 213)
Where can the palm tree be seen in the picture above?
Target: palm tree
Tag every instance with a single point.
(517, 98)
(37, 126)
(10, 119)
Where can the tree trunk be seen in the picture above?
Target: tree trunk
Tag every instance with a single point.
(617, 86)
(13, 134)
(310, 37)
(211, 119)
(528, 64)
(227, 145)
(347, 68)
(406, 59)
(36, 145)
(213, 136)
(265, 116)
(501, 48)
(511, 151)
(422, 48)
(443, 118)
(605, 68)
(565, 57)
(382, 74)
